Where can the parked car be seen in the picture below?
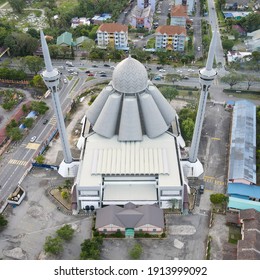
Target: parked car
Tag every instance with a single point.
(65, 81)
(103, 75)
(33, 139)
(157, 78)
(106, 65)
(102, 72)
(87, 71)
(91, 74)
(162, 70)
(94, 65)
(159, 67)
(201, 189)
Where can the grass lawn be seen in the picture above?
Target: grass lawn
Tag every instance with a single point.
(67, 4)
(234, 234)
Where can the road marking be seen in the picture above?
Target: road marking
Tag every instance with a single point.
(209, 177)
(33, 146)
(212, 180)
(53, 120)
(214, 138)
(18, 162)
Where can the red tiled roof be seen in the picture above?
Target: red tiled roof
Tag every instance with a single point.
(179, 11)
(113, 27)
(171, 30)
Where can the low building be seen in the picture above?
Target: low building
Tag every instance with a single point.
(189, 3)
(65, 39)
(179, 15)
(130, 219)
(242, 159)
(145, 3)
(99, 19)
(253, 41)
(142, 18)
(243, 196)
(233, 56)
(170, 37)
(114, 35)
(75, 22)
(239, 29)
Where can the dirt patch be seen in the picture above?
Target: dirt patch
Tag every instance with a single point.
(56, 193)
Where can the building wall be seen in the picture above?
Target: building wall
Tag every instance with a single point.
(144, 3)
(176, 41)
(116, 39)
(178, 21)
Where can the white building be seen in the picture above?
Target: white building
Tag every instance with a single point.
(129, 143)
(142, 18)
(145, 3)
(113, 34)
(170, 37)
(253, 42)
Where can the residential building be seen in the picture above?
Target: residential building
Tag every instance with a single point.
(170, 37)
(79, 21)
(179, 15)
(189, 3)
(145, 3)
(233, 56)
(142, 18)
(113, 34)
(130, 219)
(99, 19)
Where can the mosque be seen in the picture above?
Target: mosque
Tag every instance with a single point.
(130, 145)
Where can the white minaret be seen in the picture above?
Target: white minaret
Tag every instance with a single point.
(51, 76)
(206, 77)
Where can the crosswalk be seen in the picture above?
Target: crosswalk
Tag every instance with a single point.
(213, 180)
(53, 120)
(18, 162)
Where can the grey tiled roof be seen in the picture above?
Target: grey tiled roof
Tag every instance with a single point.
(243, 142)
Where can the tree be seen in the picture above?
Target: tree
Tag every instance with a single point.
(66, 232)
(136, 252)
(28, 122)
(17, 5)
(21, 44)
(162, 57)
(40, 159)
(34, 63)
(227, 44)
(53, 245)
(90, 249)
(169, 92)
(251, 80)
(187, 127)
(65, 195)
(3, 221)
(231, 79)
(14, 133)
(38, 82)
(40, 107)
(218, 198)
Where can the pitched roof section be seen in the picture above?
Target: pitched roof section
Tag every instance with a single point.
(171, 30)
(179, 11)
(113, 27)
(130, 218)
(65, 38)
(242, 164)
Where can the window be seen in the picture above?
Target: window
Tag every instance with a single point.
(104, 230)
(154, 230)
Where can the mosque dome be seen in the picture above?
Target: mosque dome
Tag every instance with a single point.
(130, 76)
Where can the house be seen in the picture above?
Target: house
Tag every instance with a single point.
(79, 21)
(189, 3)
(170, 37)
(239, 29)
(80, 40)
(233, 56)
(130, 219)
(242, 158)
(253, 41)
(113, 34)
(179, 15)
(65, 39)
(99, 19)
(142, 18)
(243, 196)
(145, 3)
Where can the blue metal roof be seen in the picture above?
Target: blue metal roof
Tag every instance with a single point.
(241, 204)
(228, 15)
(244, 190)
(242, 163)
(32, 114)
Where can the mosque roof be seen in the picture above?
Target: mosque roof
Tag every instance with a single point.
(130, 106)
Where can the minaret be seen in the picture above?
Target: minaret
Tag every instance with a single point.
(51, 78)
(206, 77)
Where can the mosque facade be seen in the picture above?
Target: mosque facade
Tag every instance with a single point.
(130, 145)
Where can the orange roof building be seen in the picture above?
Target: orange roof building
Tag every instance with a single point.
(170, 37)
(179, 15)
(113, 34)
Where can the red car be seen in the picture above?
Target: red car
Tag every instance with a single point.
(91, 74)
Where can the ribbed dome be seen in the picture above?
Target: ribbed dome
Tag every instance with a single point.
(129, 76)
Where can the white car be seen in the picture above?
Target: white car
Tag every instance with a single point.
(65, 81)
(162, 70)
(33, 139)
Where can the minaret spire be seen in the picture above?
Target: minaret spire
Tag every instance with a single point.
(206, 76)
(51, 78)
